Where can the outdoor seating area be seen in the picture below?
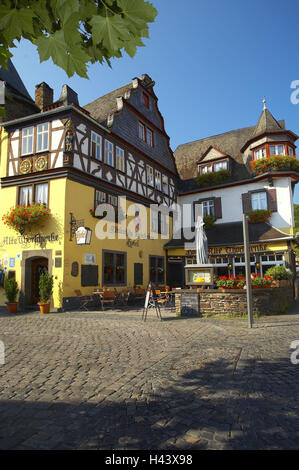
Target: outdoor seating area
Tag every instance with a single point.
(105, 298)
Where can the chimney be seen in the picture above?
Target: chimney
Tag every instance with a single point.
(68, 96)
(43, 95)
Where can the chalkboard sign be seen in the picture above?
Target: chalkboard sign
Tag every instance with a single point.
(89, 275)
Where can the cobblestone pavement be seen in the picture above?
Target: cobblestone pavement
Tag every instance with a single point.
(110, 381)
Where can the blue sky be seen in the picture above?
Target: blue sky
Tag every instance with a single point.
(212, 61)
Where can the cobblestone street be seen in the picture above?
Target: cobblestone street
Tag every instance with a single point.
(110, 381)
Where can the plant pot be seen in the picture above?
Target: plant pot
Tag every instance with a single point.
(44, 308)
(12, 307)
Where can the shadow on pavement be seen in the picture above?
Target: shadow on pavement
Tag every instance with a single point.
(209, 407)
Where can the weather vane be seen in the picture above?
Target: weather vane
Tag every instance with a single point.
(264, 101)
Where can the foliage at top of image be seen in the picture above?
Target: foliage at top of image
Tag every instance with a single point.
(75, 32)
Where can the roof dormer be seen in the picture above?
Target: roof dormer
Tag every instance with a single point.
(213, 160)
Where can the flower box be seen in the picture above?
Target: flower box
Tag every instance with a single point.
(258, 216)
(212, 178)
(274, 163)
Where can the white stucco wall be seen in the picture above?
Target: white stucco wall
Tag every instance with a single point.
(231, 202)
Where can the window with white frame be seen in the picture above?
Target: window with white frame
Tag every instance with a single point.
(96, 146)
(165, 184)
(113, 200)
(141, 131)
(100, 197)
(277, 149)
(149, 137)
(290, 151)
(208, 208)
(260, 153)
(205, 169)
(25, 195)
(220, 166)
(120, 159)
(33, 193)
(27, 140)
(108, 155)
(42, 142)
(259, 200)
(41, 193)
(149, 175)
(158, 180)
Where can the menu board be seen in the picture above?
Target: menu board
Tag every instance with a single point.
(198, 275)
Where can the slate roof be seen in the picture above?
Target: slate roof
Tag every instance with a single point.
(100, 108)
(231, 233)
(266, 123)
(12, 78)
(187, 155)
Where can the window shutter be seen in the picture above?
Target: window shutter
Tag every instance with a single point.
(246, 203)
(218, 208)
(272, 200)
(138, 273)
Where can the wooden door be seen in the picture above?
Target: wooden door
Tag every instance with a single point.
(38, 266)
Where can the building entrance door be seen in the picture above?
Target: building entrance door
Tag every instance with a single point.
(38, 267)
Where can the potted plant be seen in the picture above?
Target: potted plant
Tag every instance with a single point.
(45, 291)
(11, 291)
(209, 221)
(281, 275)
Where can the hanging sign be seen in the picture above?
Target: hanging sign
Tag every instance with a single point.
(83, 236)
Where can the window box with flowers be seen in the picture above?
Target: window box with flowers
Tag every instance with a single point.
(258, 216)
(259, 282)
(212, 178)
(227, 282)
(274, 163)
(22, 217)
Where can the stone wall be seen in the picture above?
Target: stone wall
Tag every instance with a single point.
(233, 302)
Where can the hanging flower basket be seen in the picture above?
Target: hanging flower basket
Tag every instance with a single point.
(21, 217)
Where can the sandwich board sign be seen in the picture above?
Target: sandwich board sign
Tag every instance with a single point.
(151, 300)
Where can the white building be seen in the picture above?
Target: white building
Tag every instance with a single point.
(241, 171)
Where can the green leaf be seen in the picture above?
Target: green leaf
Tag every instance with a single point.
(138, 12)
(65, 8)
(15, 22)
(53, 46)
(76, 62)
(111, 31)
(71, 60)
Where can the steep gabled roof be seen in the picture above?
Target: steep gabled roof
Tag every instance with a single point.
(267, 123)
(106, 105)
(230, 143)
(12, 78)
